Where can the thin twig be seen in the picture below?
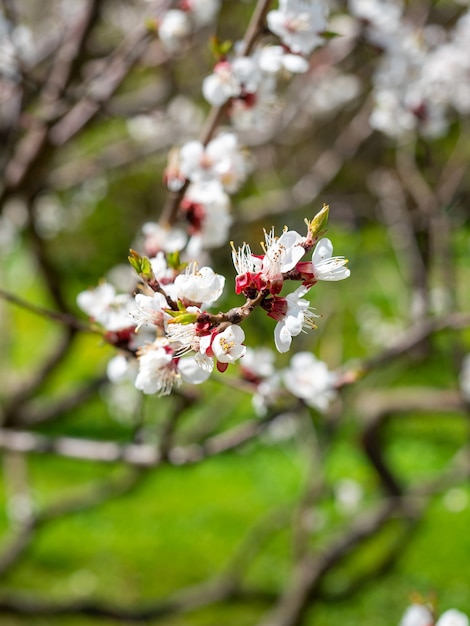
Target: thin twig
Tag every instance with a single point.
(63, 318)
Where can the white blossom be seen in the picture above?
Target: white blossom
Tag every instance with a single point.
(106, 307)
(297, 317)
(258, 363)
(222, 160)
(213, 219)
(231, 79)
(157, 369)
(272, 59)
(174, 28)
(281, 253)
(333, 90)
(121, 368)
(199, 285)
(309, 379)
(452, 617)
(203, 11)
(245, 261)
(149, 310)
(227, 345)
(383, 18)
(160, 239)
(257, 113)
(326, 266)
(267, 392)
(417, 615)
(164, 274)
(299, 24)
(192, 371)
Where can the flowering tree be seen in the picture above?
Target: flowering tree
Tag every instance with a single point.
(362, 105)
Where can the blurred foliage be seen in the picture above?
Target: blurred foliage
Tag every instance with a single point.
(181, 525)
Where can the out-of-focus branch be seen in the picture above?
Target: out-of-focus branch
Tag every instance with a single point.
(22, 171)
(309, 186)
(139, 455)
(94, 496)
(27, 417)
(183, 601)
(315, 482)
(10, 415)
(63, 318)
(255, 28)
(102, 87)
(13, 412)
(409, 339)
(311, 568)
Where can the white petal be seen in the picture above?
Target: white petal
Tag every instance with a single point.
(192, 372)
(216, 91)
(282, 337)
(295, 63)
(117, 369)
(323, 250)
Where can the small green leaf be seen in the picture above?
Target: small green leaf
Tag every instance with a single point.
(173, 260)
(182, 317)
(151, 24)
(328, 34)
(141, 265)
(220, 49)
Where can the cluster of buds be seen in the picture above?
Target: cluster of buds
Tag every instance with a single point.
(169, 327)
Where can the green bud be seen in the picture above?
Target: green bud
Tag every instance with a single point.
(141, 265)
(220, 49)
(173, 260)
(319, 222)
(151, 24)
(328, 34)
(180, 317)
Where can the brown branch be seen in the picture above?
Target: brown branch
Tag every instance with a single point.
(63, 318)
(102, 87)
(383, 567)
(139, 455)
(372, 438)
(14, 404)
(33, 151)
(307, 188)
(409, 339)
(309, 571)
(183, 601)
(33, 416)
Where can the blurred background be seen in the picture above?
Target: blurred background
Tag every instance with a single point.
(374, 492)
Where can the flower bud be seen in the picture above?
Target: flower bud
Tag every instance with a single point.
(319, 222)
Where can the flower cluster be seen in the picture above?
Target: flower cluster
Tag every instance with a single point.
(247, 82)
(261, 278)
(306, 378)
(168, 325)
(424, 72)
